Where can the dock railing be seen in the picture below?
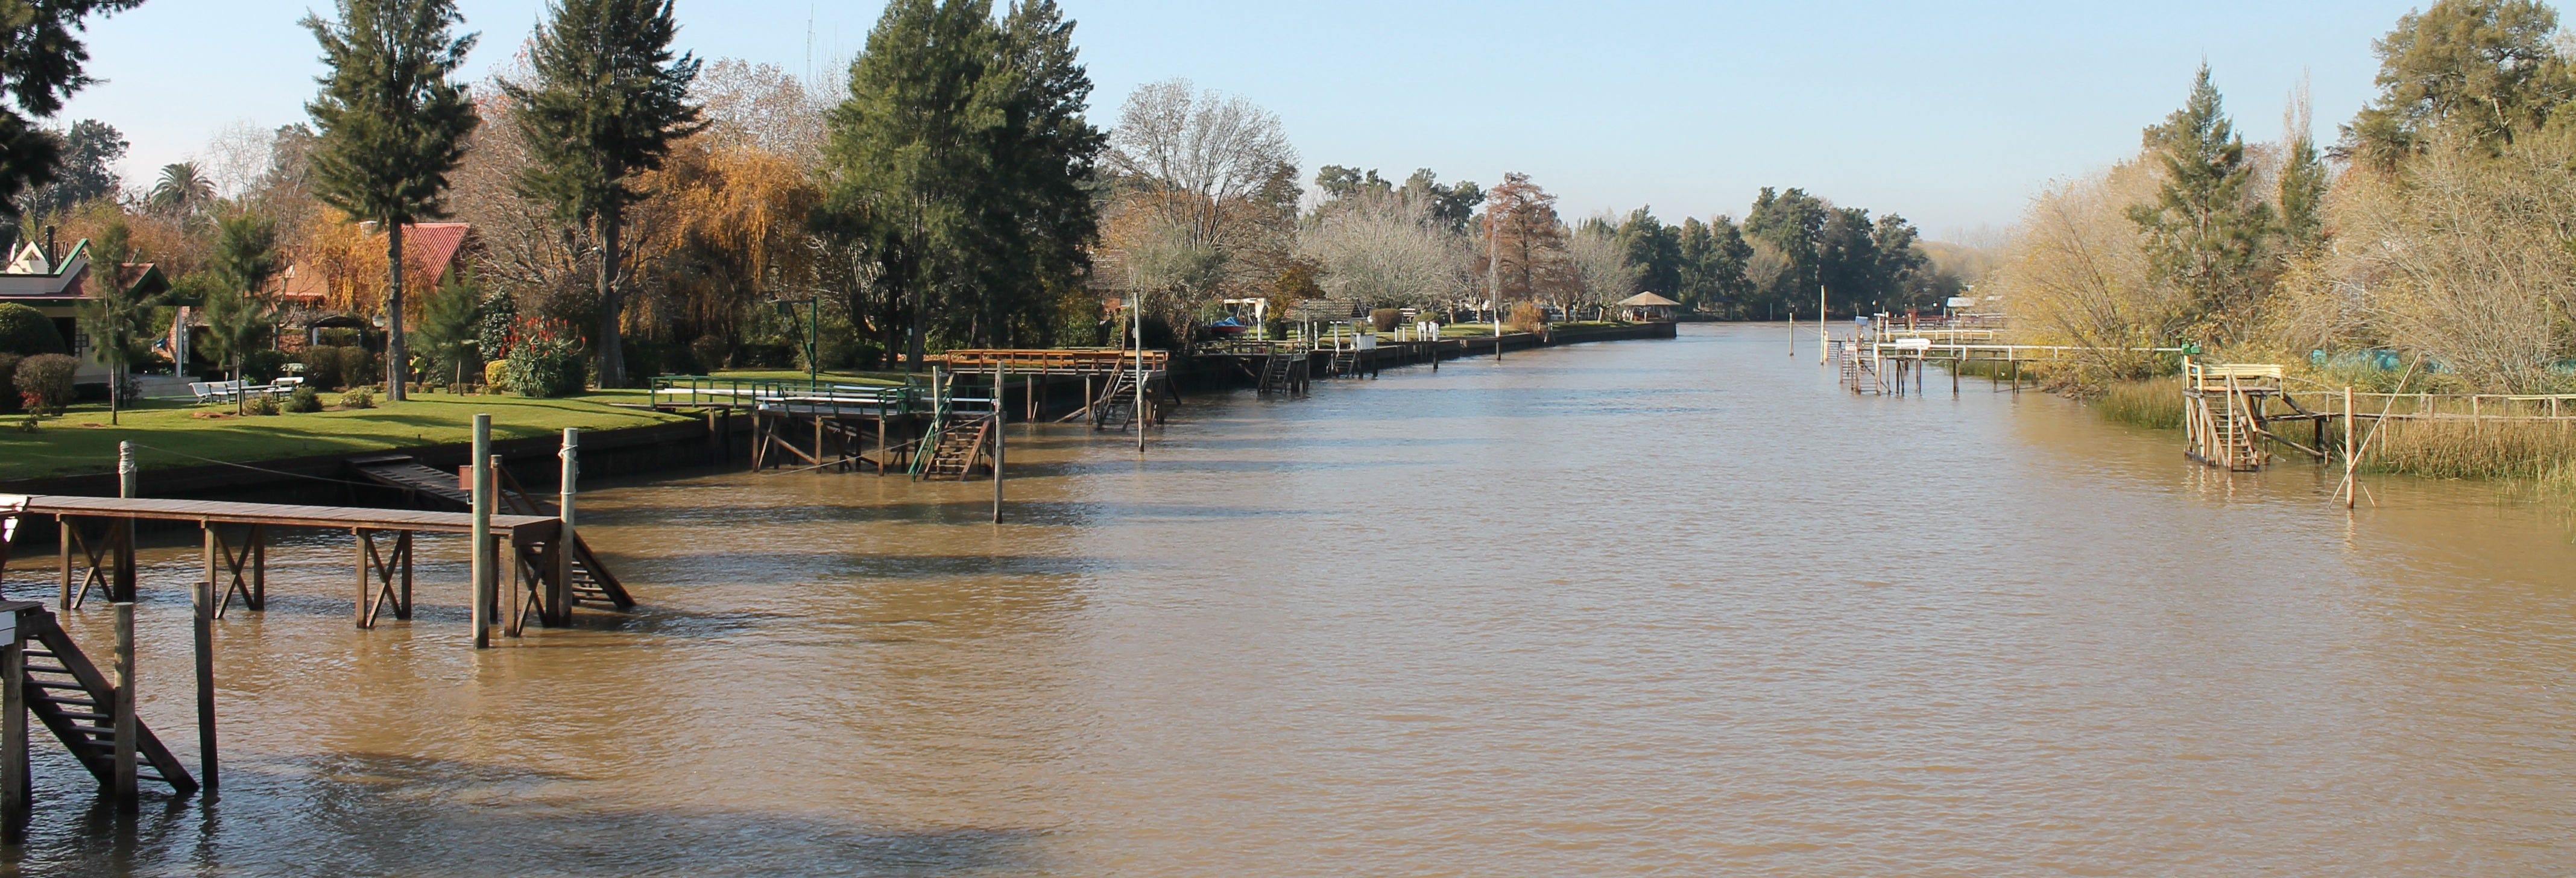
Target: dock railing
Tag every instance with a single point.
(827, 397)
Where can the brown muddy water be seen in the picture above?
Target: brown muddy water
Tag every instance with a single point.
(1651, 607)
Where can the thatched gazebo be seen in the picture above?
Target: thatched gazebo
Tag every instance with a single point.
(1648, 307)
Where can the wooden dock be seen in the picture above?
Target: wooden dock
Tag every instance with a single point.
(97, 552)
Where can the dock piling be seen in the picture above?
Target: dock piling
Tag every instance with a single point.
(483, 554)
(123, 786)
(204, 595)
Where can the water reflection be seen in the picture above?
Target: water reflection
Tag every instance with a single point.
(1637, 607)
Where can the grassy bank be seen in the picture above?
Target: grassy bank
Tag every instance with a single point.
(174, 434)
(2539, 454)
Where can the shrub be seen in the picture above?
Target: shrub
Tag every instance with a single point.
(263, 365)
(29, 425)
(8, 381)
(45, 382)
(545, 362)
(360, 397)
(321, 365)
(26, 331)
(360, 366)
(303, 400)
(710, 351)
(496, 375)
(261, 405)
(1526, 317)
(1385, 319)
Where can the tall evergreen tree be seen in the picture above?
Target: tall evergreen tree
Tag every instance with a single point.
(2205, 230)
(608, 99)
(392, 126)
(1045, 154)
(245, 258)
(902, 158)
(117, 316)
(2302, 182)
(41, 61)
(90, 150)
(1654, 249)
(2485, 69)
(1723, 269)
(962, 160)
(1791, 223)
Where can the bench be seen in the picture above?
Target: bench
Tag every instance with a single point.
(228, 391)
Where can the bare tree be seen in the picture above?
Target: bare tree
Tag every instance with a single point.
(1385, 248)
(1601, 270)
(2077, 273)
(2464, 259)
(1217, 170)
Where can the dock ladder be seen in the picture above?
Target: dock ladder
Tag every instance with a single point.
(75, 702)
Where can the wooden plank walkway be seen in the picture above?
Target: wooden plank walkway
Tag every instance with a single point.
(517, 527)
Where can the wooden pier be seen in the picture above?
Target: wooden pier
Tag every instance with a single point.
(97, 553)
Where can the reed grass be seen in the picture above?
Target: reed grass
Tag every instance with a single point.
(2542, 452)
(2155, 403)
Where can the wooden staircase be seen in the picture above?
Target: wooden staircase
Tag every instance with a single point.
(73, 699)
(1117, 403)
(1277, 374)
(2228, 439)
(1860, 373)
(956, 450)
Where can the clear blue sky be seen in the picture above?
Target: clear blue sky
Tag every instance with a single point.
(1949, 113)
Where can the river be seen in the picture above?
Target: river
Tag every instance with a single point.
(1650, 607)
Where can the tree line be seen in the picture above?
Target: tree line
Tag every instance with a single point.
(651, 212)
(2433, 232)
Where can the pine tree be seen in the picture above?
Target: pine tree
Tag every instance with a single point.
(392, 126)
(907, 154)
(2205, 230)
(245, 258)
(607, 101)
(41, 60)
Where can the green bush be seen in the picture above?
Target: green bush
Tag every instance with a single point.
(263, 366)
(261, 405)
(1385, 319)
(45, 382)
(8, 381)
(27, 332)
(338, 366)
(546, 366)
(303, 400)
(360, 397)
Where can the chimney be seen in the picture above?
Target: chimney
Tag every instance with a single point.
(49, 247)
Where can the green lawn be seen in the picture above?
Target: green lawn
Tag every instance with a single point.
(171, 435)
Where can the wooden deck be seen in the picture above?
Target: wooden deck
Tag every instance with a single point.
(517, 527)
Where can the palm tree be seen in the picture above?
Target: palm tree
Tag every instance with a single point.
(182, 191)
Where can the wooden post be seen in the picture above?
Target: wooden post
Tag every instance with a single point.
(15, 782)
(128, 485)
(559, 598)
(2349, 462)
(122, 680)
(999, 375)
(1793, 332)
(205, 641)
(366, 540)
(480, 593)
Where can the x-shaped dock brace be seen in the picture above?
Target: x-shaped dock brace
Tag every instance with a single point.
(383, 577)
